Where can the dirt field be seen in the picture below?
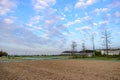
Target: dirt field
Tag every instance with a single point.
(60, 70)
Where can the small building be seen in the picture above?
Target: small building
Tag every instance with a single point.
(111, 51)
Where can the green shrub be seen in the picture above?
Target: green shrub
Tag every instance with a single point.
(97, 53)
(2, 53)
(119, 55)
(93, 56)
(79, 56)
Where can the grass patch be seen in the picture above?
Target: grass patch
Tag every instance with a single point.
(24, 58)
(33, 57)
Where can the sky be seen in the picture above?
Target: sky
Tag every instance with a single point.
(50, 26)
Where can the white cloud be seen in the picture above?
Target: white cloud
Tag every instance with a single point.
(86, 18)
(38, 27)
(29, 24)
(19, 35)
(105, 22)
(8, 20)
(117, 14)
(6, 6)
(53, 20)
(51, 10)
(50, 22)
(114, 4)
(100, 10)
(66, 9)
(34, 20)
(65, 34)
(83, 28)
(89, 2)
(42, 4)
(78, 20)
(84, 3)
(108, 15)
(37, 17)
(68, 24)
(45, 36)
(95, 24)
(94, 33)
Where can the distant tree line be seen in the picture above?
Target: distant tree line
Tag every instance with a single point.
(3, 53)
(86, 51)
(76, 53)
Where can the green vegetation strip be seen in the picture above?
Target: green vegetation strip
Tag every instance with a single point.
(28, 58)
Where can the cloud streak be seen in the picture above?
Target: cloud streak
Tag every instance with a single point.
(40, 5)
(6, 6)
(84, 3)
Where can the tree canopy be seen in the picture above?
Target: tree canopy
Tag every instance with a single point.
(3, 53)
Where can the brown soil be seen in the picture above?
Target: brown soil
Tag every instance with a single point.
(60, 70)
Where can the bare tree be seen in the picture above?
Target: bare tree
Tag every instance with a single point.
(74, 45)
(106, 35)
(83, 47)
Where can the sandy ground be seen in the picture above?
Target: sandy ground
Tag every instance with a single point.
(60, 70)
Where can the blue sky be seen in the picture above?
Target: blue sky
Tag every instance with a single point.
(50, 26)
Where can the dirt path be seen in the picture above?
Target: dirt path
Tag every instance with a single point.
(60, 70)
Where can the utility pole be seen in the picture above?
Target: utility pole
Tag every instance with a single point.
(74, 45)
(106, 40)
(107, 37)
(93, 43)
(83, 47)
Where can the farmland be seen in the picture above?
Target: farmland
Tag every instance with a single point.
(60, 70)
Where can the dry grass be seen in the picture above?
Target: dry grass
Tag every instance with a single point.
(60, 70)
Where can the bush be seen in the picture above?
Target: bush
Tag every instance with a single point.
(97, 53)
(2, 53)
(119, 56)
(80, 56)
